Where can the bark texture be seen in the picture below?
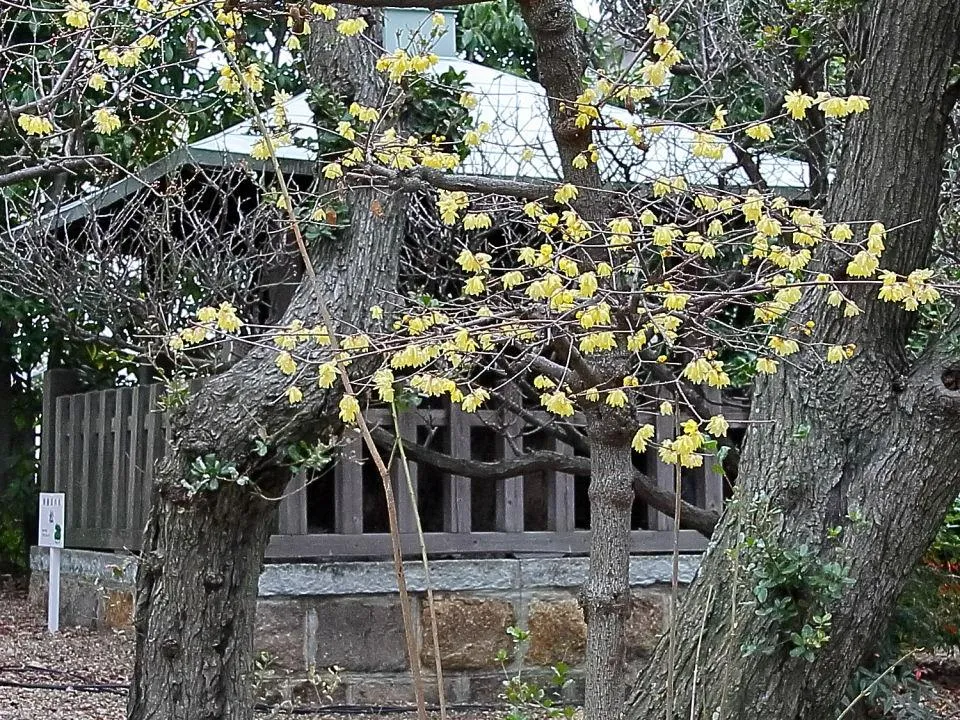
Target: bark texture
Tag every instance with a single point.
(202, 556)
(605, 598)
(876, 437)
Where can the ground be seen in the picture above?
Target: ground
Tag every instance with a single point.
(85, 672)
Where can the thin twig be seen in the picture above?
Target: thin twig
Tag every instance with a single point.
(441, 695)
(871, 686)
(696, 657)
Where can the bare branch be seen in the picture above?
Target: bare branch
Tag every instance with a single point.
(692, 517)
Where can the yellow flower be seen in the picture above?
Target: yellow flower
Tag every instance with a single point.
(473, 262)
(78, 14)
(294, 395)
(111, 58)
(326, 375)
(642, 437)
(227, 319)
(105, 121)
(836, 354)
(558, 403)
(797, 103)
(349, 409)
(588, 284)
(474, 286)
(864, 264)
(675, 301)
(286, 363)
(766, 366)
(657, 27)
(565, 193)
(841, 232)
(327, 12)
(351, 26)
(833, 107)
(476, 221)
(783, 346)
(97, 81)
(616, 398)
(666, 408)
(34, 124)
(718, 426)
(206, 314)
(761, 132)
(332, 171)
(857, 103)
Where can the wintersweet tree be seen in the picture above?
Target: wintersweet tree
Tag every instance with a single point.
(621, 303)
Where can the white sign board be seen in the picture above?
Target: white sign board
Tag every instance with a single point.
(51, 520)
(51, 536)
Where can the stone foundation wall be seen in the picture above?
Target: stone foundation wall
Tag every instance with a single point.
(311, 617)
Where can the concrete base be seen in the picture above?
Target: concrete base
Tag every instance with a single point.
(315, 616)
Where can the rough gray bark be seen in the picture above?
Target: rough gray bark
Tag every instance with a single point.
(605, 597)
(197, 581)
(881, 437)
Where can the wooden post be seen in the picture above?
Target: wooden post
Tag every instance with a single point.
(406, 519)
(56, 382)
(136, 477)
(103, 495)
(348, 488)
(293, 506)
(457, 508)
(89, 512)
(560, 495)
(121, 460)
(509, 509)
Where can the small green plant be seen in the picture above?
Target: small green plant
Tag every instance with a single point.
(207, 473)
(793, 587)
(528, 697)
(309, 456)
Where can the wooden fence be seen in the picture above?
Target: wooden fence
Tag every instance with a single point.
(101, 448)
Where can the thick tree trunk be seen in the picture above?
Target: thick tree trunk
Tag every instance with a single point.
(201, 556)
(605, 597)
(860, 460)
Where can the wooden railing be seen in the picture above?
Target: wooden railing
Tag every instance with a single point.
(101, 449)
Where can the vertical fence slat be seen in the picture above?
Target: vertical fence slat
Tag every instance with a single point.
(139, 410)
(61, 437)
(457, 500)
(103, 476)
(509, 507)
(560, 496)
(73, 509)
(56, 383)
(348, 488)
(91, 424)
(406, 520)
(293, 506)
(121, 459)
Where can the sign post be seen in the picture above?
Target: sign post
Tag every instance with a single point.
(51, 536)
